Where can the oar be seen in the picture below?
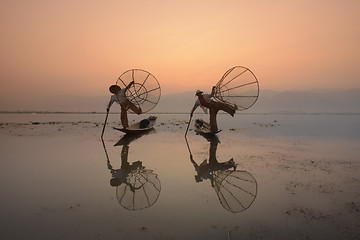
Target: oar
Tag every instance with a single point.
(188, 126)
(187, 144)
(107, 113)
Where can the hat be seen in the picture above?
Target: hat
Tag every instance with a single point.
(198, 91)
(114, 182)
(114, 88)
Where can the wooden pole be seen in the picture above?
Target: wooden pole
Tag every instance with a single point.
(188, 126)
(107, 113)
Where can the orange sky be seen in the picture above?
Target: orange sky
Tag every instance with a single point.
(81, 47)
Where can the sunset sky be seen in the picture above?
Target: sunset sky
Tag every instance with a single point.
(78, 47)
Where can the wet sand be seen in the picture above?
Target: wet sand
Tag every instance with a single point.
(55, 179)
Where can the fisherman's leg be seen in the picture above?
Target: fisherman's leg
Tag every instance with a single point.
(134, 108)
(124, 118)
(223, 166)
(213, 123)
(225, 107)
(212, 151)
(124, 156)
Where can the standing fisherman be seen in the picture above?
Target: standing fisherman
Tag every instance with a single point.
(205, 101)
(119, 97)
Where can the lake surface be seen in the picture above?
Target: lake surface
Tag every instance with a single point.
(296, 176)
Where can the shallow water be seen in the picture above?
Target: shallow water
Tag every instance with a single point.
(296, 177)
(316, 126)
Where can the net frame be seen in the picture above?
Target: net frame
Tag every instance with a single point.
(137, 181)
(224, 193)
(222, 89)
(145, 93)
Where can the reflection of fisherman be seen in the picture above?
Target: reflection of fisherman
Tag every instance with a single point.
(119, 175)
(136, 187)
(120, 98)
(205, 101)
(205, 170)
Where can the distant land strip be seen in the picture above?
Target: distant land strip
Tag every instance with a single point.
(174, 113)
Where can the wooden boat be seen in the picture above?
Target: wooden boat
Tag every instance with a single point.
(203, 128)
(143, 126)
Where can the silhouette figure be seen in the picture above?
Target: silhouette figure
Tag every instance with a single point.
(205, 169)
(207, 101)
(119, 96)
(235, 189)
(136, 187)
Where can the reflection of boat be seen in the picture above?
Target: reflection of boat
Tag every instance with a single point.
(143, 126)
(136, 187)
(128, 138)
(235, 189)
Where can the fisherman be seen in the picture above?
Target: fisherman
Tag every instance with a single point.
(205, 101)
(119, 97)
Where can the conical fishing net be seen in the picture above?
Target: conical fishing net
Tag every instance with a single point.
(236, 190)
(141, 190)
(145, 92)
(238, 86)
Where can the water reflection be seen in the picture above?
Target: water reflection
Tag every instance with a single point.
(136, 187)
(235, 189)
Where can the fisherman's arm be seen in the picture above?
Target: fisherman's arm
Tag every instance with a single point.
(213, 91)
(110, 103)
(196, 166)
(192, 160)
(194, 108)
(128, 86)
(109, 166)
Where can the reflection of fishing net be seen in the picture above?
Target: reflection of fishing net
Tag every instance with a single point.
(145, 92)
(238, 86)
(236, 189)
(141, 190)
